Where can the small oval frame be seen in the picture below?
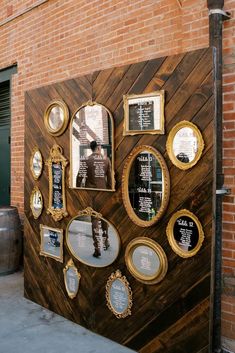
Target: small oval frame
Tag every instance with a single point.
(170, 234)
(70, 264)
(35, 176)
(143, 241)
(169, 145)
(36, 215)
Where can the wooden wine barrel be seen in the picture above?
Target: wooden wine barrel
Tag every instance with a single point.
(10, 240)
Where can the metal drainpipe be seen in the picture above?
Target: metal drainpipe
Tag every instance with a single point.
(216, 17)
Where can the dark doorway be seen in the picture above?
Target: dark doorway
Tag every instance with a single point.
(5, 148)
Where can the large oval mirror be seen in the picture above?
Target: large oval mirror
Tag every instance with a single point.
(92, 150)
(146, 186)
(185, 145)
(92, 239)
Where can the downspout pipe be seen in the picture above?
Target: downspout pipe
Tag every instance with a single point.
(216, 17)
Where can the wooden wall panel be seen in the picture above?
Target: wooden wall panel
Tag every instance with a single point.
(168, 317)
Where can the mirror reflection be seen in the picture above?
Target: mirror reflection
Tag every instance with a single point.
(56, 118)
(92, 148)
(36, 202)
(185, 145)
(93, 240)
(36, 163)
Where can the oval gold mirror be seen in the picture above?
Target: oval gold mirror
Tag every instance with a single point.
(56, 117)
(92, 149)
(92, 239)
(71, 279)
(145, 186)
(36, 202)
(146, 260)
(185, 145)
(185, 234)
(36, 163)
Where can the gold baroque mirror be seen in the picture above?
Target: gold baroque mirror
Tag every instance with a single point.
(36, 163)
(185, 234)
(119, 295)
(51, 242)
(185, 145)
(71, 279)
(56, 117)
(146, 260)
(92, 148)
(144, 113)
(92, 239)
(36, 202)
(56, 170)
(145, 186)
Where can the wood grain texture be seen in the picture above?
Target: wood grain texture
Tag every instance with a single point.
(168, 317)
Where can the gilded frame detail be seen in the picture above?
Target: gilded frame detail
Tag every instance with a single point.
(170, 234)
(56, 157)
(43, 252)
(70, 264)
(92, 103)
(65, 116)
(125, 184)
(90, 212)
(157, 249)
(117, 275)
(34, 151)
(153, 95)
(169, 145)
(34, 191)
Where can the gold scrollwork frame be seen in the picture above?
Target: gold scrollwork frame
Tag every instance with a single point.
(169, 144)
(35, 214)
(158, 250)
(118, 275)
(91, 103)
(125, 183)
(56, 157)
(170, 233)
(47, 254)
(70, 264)
(126, 98)
(35, 149)
(90, 212)
(65, 110)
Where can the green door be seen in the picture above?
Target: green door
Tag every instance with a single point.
(5, 152)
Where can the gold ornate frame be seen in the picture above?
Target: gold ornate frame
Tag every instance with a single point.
(170, 234)
(169, 145)
(111, 279)
(42, 251)
(56, 157)
(35, 149)
(125, 183)
(65, 110)
(70, 264)
(90, 212)
(91, 103)
(126, 98)
(35, 214)
(142, 241)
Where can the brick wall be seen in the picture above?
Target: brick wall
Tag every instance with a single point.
(60, 39)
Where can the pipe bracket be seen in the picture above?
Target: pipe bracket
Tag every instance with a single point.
(223, 191)
(226, 14)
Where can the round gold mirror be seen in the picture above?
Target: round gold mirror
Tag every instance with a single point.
(146, 260)
(185, 234)
(56, 117)
(185, 145)
(145, 186)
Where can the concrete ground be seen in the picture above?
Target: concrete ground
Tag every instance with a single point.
(26, 327)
